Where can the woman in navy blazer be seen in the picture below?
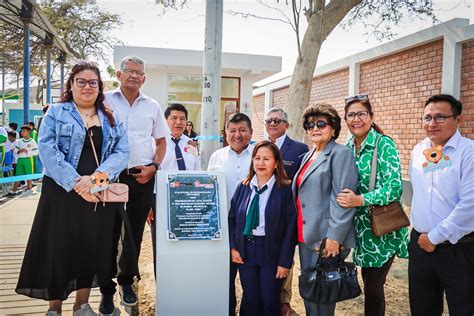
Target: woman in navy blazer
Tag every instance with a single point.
(264, 254)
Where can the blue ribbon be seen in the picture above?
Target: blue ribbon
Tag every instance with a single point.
(21, 178)
(210, 137)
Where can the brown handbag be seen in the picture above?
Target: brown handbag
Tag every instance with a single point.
(384, 219)
(116, 192)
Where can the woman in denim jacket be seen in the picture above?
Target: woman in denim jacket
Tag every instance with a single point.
(69, 247)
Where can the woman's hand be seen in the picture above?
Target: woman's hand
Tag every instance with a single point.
(347, 198)
(89, 197)
(83, 185)
(235, 256)
(331, 249)
(282, 272)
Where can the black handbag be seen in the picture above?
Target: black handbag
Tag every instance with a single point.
(329, 281)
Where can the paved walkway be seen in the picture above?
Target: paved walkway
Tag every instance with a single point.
(16, 217)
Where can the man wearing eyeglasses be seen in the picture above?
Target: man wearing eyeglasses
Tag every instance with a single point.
(146, 127)
(276, 125)
(442, 240)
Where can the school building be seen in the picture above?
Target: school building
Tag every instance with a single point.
(398, 76)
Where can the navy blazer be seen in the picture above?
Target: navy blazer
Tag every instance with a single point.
(280, 224)
(292, 153)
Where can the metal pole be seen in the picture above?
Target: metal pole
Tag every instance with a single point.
(211, 89)
(48, 75)
(3, 89)
(26, 72)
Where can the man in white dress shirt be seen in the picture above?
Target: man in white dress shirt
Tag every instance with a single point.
(234, 160)
(181, 154)
(146, 128)
(187, 157)
(442, 213)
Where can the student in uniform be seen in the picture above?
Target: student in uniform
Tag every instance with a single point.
(26, 149)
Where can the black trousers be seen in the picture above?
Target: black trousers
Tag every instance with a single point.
(374, 281)
(450, 270)
(139, 202)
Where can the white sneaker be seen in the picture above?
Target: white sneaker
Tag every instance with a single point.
(85, 310)
(52, 313)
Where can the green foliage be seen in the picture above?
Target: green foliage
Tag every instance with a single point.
(84, 27)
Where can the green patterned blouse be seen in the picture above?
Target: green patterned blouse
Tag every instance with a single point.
(373, 251)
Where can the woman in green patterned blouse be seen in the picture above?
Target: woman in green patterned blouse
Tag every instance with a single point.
(374, 254)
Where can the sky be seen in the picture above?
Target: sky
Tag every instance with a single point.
(146, 25)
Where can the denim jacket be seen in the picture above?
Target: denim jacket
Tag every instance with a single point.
(61, 139)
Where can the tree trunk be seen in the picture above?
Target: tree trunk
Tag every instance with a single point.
(39, 91)
(300, 87)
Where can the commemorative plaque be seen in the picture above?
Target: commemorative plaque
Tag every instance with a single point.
(192, 243)
(193, 208)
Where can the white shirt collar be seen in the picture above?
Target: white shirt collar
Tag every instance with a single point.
(247, 149)
(269, 183)
(280, 140)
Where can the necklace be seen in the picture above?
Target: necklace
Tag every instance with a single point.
(89, 114)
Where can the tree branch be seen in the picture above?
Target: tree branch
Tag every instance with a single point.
(335, 11)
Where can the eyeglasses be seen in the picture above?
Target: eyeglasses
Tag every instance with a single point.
(134, 72)
(361, 115)
(357, 97)
(274, 120)
(81, 82)
(311, 125)
(439, 118)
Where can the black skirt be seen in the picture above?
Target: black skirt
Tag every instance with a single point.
(71, 246)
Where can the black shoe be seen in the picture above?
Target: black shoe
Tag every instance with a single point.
(128, 295)
(107, 306)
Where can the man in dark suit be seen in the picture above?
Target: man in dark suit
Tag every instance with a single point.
(276, 125)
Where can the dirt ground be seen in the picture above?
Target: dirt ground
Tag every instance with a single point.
(396, 288)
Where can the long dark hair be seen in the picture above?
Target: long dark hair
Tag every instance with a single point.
(67, 96)
(368, 106)
(280, 173)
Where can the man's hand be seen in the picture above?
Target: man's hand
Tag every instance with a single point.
(150, 217)
(281, 272)
(235, 256)
(148, 172)
(425, 243)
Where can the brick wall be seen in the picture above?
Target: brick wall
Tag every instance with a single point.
(280, 97)
(258, 116)
(332, 88)
(467, 88)
(398, 86)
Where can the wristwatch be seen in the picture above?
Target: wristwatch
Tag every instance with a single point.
(156, 165)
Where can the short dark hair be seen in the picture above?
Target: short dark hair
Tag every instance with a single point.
(31, 123)
(12, 134)
(176, 107)
(13, 126)
(456, 105)
(26, 127)
(237, 118)
(326, 110)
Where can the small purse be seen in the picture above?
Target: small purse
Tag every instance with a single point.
(384, 219)
(116, 192)
(328, 283)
